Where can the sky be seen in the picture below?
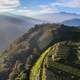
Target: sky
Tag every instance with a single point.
(39, 7)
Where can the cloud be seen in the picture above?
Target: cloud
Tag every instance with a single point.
(14, 6)
(25, 12)
(42, 9)
(48, 9)
(68, 3)
(73, 3)
(7, 5)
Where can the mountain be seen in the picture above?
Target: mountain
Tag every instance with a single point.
(57, 17)
(13, 26)
(45, 52)
(72, 22)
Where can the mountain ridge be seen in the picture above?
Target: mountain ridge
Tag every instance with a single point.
(23, 53)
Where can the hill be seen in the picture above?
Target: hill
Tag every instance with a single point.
(35, 53)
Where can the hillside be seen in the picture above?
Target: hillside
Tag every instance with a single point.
(59, 62)
(37, 51)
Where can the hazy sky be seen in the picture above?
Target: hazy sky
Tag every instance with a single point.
(36, 7)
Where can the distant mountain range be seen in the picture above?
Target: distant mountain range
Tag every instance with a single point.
(13, 26)
(72, 22)
(58, 17)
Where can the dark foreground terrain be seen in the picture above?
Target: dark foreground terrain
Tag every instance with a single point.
(45, 52)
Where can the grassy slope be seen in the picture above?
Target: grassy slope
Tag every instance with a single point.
(38, 70)
(35, 72)
(64, 68)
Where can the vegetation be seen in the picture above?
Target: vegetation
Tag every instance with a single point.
(35, 72)
(29, 57)
(59, 64)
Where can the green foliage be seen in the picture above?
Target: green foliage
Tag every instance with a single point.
(35, 72)
(22, 76)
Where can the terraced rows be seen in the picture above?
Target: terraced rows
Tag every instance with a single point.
(64, 70)
(35, 72)
(61, 71)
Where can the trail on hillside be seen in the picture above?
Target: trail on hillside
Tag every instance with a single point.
(35, 72)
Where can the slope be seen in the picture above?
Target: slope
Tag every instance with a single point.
(35, 72)
(54, 63)
(20, 57)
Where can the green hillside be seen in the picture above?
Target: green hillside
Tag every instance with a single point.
(35, 72)
(46, 66)
(41, 53)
